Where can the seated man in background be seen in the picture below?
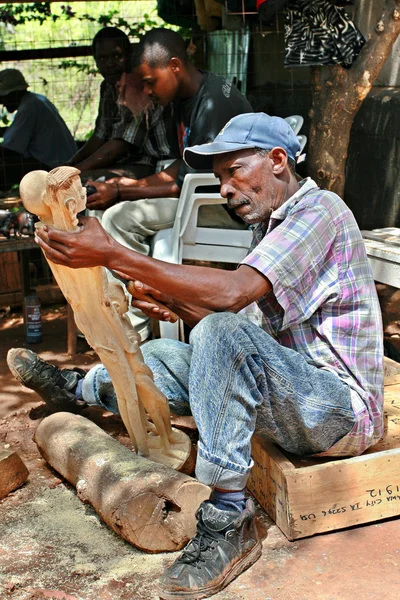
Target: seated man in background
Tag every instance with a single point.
(202, 103)
(310, 378)
(121, 144)
(38, 138)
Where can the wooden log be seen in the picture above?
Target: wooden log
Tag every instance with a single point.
(148, 504)
(13, 472)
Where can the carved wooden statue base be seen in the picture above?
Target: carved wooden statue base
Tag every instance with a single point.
(100, 309)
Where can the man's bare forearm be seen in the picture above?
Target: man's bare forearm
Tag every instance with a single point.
(105, 156)
(92, 145)
(137, 192)
(195, 291)
(158, 185)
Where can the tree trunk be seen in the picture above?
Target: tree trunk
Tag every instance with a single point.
(148, 504)
(337, 95)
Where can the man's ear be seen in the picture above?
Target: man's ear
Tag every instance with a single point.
(279, 160)
(175, 64)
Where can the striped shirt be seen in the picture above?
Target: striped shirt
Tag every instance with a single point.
(151, 137)
(323, 302)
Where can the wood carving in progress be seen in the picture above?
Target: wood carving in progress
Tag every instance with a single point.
(100, 310)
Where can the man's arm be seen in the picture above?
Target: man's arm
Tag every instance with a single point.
(158, 185)
(105, 156)
(89, 148)
(193, 291)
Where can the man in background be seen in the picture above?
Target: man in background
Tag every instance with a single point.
(122, 144)
(38, 137)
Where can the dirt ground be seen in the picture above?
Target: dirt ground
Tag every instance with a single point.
(54, 546)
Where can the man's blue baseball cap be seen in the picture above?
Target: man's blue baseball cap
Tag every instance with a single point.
(250, 130)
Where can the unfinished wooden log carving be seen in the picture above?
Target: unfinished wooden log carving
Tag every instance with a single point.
(99, 308)
(151, 506)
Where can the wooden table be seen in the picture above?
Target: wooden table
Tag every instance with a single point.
(20, 245)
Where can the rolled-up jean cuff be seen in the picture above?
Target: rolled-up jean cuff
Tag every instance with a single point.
(89, 386)
(215, 475)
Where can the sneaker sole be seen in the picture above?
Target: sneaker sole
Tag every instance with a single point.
(239, 567)
(12, 368)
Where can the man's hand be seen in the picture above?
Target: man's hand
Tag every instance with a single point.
(142, 296)
(106, 194)
(91, 246)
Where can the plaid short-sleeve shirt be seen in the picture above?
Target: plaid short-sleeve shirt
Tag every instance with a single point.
(152, 136)
(323, 302)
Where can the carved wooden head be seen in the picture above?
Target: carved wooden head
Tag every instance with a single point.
(55, 197)
(33, 190)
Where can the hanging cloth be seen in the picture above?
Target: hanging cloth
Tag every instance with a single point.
(268, 8)
(319, 33)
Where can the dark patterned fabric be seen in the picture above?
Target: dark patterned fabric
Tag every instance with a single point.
(319, 33)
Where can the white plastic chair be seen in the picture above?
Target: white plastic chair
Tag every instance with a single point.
(295, 122)
(302, 141)
(185, 240)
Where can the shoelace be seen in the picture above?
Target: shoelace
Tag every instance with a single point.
(199, 544)
(51, 372)
(43, 368)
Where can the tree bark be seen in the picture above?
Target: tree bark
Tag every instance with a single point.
(337, 95)
(148, 504)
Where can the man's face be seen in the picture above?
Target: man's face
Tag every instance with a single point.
(110, 59)
(11, 102)
(160, 84)
(248, 184)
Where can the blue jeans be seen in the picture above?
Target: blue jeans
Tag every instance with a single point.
(235, 378)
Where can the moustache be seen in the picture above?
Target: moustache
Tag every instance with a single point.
(232, 204)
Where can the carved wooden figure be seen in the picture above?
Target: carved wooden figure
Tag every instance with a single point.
(99, 308)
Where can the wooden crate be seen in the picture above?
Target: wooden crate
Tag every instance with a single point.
(306, 496)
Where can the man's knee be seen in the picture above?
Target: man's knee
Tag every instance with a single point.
(159, 350)
(215, 326)
(114, 216)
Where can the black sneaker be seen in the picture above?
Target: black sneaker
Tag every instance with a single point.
(53, 385)
(225, 545)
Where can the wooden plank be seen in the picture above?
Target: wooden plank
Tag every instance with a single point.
(48, 294)
(306, 496)
(391, 371)
(10, 277)
(17, 244)
(41, 53)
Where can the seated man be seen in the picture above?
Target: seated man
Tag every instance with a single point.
(201, 103)
(121, 144)
(38, 138)
(311, 379)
